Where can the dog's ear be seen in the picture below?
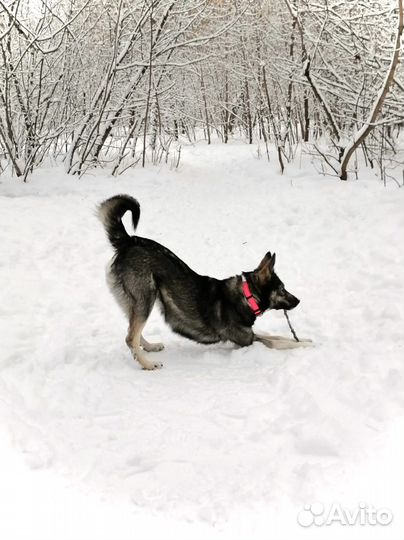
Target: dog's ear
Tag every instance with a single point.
(266, 267)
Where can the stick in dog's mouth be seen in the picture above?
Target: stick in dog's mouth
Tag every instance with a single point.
(290, 325)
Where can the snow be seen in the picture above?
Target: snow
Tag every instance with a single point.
(222, 442)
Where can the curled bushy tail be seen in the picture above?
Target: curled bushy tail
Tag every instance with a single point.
(111, 211)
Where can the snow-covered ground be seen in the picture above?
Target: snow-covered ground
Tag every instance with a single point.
(222, 442)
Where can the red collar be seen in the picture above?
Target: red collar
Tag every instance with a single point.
(252, 302)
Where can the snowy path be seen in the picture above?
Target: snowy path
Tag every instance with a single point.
(234, 442)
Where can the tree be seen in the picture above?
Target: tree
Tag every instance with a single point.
(361, 135)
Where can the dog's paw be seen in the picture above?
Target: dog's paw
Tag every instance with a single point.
(306, 342)
(150, 366)
(153, 347)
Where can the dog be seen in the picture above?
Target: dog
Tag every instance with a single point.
(201, 308)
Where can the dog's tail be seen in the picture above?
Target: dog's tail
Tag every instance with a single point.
(110, 213)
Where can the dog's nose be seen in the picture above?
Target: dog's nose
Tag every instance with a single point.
(297, 302)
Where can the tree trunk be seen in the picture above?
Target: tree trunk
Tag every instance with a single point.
(361, 135)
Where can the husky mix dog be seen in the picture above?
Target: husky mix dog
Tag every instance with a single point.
(201, 308)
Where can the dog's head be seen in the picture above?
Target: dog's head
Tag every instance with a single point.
(271, 289)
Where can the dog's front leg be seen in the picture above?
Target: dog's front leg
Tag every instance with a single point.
(280, 343)
(241, 336)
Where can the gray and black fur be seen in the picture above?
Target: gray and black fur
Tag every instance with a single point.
(201, 308)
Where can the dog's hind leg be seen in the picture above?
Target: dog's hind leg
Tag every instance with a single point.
(133, 341)
(150, 347)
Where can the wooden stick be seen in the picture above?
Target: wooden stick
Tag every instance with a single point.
(290, 325)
